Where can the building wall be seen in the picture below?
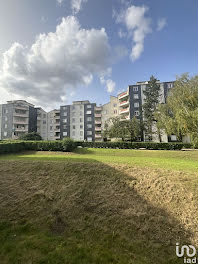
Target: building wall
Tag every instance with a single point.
(42, 123)
(53, 125)
(89, 122)
(110, 110)
(77, 121)
(7, 121)
(64, 121)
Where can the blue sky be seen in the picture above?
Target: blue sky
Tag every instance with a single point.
(167, 52)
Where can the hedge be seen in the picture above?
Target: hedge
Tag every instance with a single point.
(11, 147)
(69, 145)
(134, 145)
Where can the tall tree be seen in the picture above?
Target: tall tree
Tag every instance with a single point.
(133, 129)
(152, 93)
(118, 128)
(180, 115)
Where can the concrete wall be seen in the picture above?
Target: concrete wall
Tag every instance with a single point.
(110, 110)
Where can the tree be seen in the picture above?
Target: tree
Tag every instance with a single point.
(30, 136)
(180, 115)
(152, 93)
(105, 131)
(133, 129)
(118, 128)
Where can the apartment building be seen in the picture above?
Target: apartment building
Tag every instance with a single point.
(53, 125)
(131, 102)
(110, 109)
(42, 123)
(17, 118)
(78, 121)
(98, 123)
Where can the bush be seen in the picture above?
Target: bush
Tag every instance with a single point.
(68, 144)
(31, 136)
(133, 145)
(11, 147)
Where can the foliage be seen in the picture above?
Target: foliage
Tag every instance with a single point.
(118, 128)
(133, 129)
(10, 147)
(180, 115)
(68, 144)
(151, 93)
(31, 136)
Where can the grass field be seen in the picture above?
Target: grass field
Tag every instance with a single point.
(97, 206)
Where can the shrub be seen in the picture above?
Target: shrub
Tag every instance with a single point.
(133, 145)
(31, 136)
(10, 147)
(68, 144)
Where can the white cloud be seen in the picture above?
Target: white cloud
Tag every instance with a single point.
(161, 24)
(76, 5)
(110, 86)
(59, 1)
(121, 33)
(55, 64)
(138, 26)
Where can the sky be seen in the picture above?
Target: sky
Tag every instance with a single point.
(53, 52)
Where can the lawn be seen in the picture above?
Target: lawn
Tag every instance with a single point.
(97, 206)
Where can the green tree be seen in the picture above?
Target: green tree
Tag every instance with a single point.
(30, 136)
(180, 115)
(133, 128)
(118, 128)
(152, 93)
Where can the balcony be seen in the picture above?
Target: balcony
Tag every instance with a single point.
(122, 95)
(98, 108)
(57, 130)
(98, 136)
(21, 129)
(98, 115)
(98, 122)
(20, 114)
(20, 122)
(124, 110)
(98, 128)
(124, 103)
(20, 107)
(124, 118)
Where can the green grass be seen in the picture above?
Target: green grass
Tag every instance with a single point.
(173, 160)
(97, 206)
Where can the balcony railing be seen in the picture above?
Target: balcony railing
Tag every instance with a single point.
(126, 102)
(122, 95)
(20, 114)
(98, 135)
(125, 110)
(98, 108)
(98, 122)
(98, 115)
(98, 128)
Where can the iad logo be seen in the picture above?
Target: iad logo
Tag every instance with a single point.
(188, 252)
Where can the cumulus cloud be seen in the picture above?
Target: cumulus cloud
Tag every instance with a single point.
(59, 1)
(121, 33)
(104, 80)
(161, 24)
(138, 26)
(76, 5)
(57, 62)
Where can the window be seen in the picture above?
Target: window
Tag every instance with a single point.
(136, 96)
(89, 126)
(73, 120)
(65, 127)
(115, 111)
(89, 119)
(44, 122)
(65, 114)
(64, 107)
(135, 88)
(73, 107)
(6, 126)
(6, 119)
(81, 133)
(81, 113)
(105, 112)
(44, 115)
(89, 133)
(81, 120)
(136, 104)
(74, 113)
(170, 85)
(89, 139)
(115, 105)
(88, 106)
(65, 120)
(73, 133)
(5, 111)
(5, 134)
(51, 127)
(81, 126)
(74, 127)
(88, 112)
(64, 134)
(137, 113)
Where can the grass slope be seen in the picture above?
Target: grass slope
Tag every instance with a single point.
(97, 206)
